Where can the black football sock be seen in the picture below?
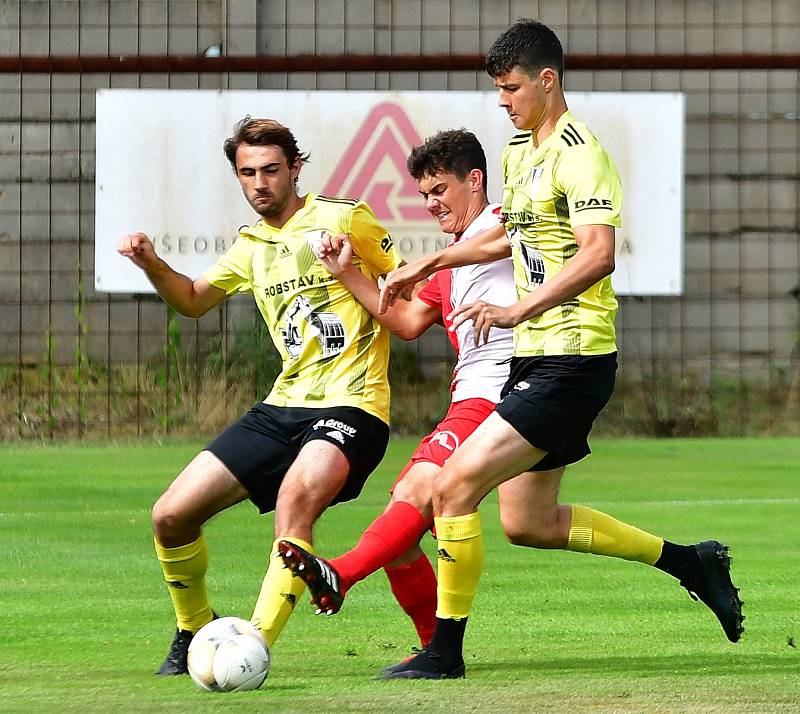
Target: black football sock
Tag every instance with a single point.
(448, 639)
(680, 561)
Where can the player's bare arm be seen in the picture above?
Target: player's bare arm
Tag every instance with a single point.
(192, 298)
(407, 320)
(593, 261)
(485, 247)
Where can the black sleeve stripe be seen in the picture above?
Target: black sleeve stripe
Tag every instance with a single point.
(517, 139)
(573, 132)
(568, 141)
(571, 135)
(345, 201)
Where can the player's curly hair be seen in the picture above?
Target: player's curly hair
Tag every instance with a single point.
(262, 132)
(455, 151)
(529, 45)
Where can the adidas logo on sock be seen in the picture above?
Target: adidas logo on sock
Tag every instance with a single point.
(442, 554)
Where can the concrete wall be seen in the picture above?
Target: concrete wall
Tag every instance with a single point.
(742, 256)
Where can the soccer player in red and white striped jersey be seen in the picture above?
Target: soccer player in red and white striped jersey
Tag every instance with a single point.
(450, 169)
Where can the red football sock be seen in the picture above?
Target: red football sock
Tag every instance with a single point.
(414, 586)
(386, 539)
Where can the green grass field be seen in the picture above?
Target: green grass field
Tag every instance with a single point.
(86, 618)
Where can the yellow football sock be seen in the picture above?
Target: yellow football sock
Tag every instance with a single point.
(280, 591)
(460, 554)
(595, 532)
(184, 572)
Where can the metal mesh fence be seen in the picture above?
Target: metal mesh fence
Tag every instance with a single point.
(721, 359)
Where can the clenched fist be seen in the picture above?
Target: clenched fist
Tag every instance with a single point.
(335, 252)
(139, 248)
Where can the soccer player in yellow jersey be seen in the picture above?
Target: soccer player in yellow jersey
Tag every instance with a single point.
(323, 427)
(561, 200)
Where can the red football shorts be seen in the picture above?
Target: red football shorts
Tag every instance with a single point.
(460, 421)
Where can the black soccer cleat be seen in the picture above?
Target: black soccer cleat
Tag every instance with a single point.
(399, 665)
(714, 587)
(425, 665)
(318, 575)
(175, 663)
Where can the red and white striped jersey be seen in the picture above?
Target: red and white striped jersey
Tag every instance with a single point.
(480, 371)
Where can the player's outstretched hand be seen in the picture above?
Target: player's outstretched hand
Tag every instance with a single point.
(335, 252)
(484, 316)
(400, 284)
(139, 248)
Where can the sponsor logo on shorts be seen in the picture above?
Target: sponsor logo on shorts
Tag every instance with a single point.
(446, 439)
(521, 386)
(336, 435)
(340, 426)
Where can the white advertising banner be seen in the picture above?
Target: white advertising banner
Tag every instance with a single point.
(160, 169)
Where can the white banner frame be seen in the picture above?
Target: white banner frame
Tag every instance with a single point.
(160, 169)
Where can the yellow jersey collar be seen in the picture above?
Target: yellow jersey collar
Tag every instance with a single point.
(261, 230)
(562, 122)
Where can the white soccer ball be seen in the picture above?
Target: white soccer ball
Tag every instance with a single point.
(228, 655)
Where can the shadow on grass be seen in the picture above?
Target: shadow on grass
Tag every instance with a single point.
(679, 664)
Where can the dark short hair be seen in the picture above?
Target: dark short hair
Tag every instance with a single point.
(455, 151)
(529, 45)
(262, 132)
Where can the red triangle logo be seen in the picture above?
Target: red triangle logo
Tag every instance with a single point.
(373, 168)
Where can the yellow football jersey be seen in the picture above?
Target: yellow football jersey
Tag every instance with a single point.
(567, 181)
(334, 352)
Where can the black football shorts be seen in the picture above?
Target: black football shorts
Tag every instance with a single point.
(263, 444)
(552, 402)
